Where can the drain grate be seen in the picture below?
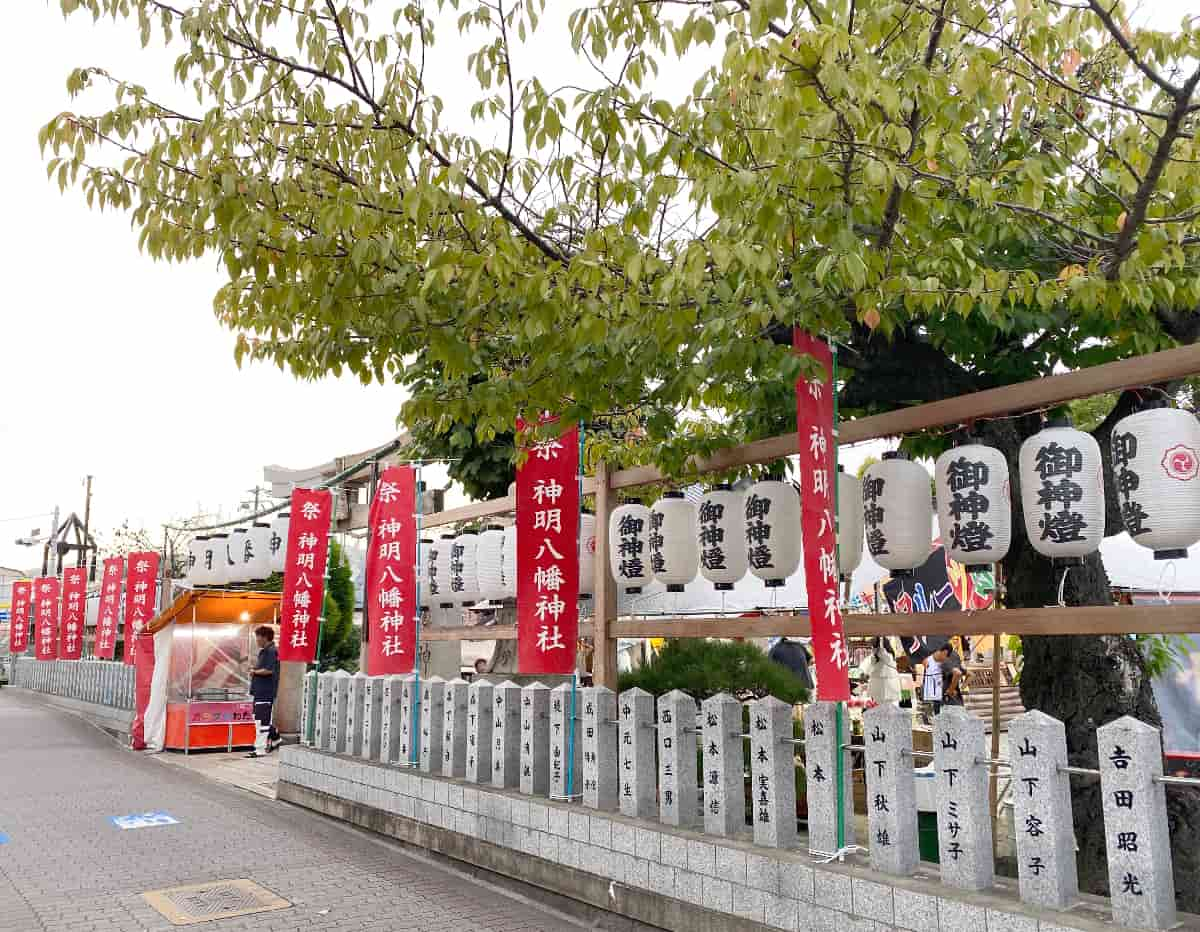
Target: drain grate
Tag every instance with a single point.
(205, 902)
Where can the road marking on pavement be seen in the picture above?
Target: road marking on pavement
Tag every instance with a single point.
(3, 839)
(143, 820)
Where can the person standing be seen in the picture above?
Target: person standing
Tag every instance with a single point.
(264, 685)
(950, 665)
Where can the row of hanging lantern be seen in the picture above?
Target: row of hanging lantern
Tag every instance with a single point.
(472, 567)
(240, 557)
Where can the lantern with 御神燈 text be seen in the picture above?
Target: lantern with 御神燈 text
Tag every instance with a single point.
(489, 559)
(1062, 492)
(674, 553)
(629, 546)
(464, 569)
(1156, 472)
(441, 592)
(259, 543)
(974, 504)
(771, 510)
(196, 573)
(897, 513)
(219, 550)
(587, 554)
(850, 523)
(509, 562)
(278, 541)
(239, 567)
(720, 535)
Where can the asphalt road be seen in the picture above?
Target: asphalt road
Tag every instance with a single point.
(64, 865)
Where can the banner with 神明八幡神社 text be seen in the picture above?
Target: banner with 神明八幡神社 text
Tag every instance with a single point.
(391, 571)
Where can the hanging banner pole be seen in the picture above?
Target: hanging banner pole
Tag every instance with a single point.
(415, 725)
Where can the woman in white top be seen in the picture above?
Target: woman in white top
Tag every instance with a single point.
(883, 680)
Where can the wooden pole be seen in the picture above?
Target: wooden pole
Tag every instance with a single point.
(604, 658)
(994, 788)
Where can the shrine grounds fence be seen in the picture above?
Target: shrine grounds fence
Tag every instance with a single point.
(672, 765)
(100, 682)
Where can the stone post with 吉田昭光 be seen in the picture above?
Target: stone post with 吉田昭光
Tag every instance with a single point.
(1136, 830)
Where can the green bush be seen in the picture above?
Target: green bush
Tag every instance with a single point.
(703, 668)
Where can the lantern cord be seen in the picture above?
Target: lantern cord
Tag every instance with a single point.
(1166, 591)
(1062, 587)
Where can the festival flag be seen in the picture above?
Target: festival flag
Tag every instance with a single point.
(141, 590)
(391, 572)
(304, 574)
(74, 598)
(45, 611)
(18, 618)
(110, 601)
(818, 474)
(548, 556)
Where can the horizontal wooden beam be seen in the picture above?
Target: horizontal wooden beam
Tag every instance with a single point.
(472, 512)
(1163, 366)
(1084, 619)
(1117, 619)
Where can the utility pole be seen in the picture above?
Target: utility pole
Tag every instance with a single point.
(50, 539)
(87, 517)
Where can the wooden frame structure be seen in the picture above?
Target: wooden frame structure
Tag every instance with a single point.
(605, 628)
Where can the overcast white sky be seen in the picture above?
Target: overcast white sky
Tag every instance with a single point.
(96, 337)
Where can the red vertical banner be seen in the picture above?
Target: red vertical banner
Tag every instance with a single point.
(141, 588)
(74, 598)
(818, 475)
(548, 556)
(18, 618)
(110, 608)
(391, 597)
(304, 574)
(45, 613)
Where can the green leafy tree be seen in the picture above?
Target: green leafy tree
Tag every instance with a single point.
(340, 638)
(963, 195)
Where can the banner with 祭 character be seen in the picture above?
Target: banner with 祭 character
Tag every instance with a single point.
(141, 591)
(110, 602)
(304, 574)
(74, 596)
(391, 574)
(548, 555)
(18, 618)
(818, 473)
(45, 611)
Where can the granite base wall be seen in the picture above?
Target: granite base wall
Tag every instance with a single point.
(649, 873)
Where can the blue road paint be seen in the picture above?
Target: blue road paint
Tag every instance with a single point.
(3, 839)
(143, 820)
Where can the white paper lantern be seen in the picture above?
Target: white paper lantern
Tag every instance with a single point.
(897, 513)
(772, 529)
(587, 555)
(850, 523)
(629, 546)
(509, 562)
(464, 570)
(425, 547)
(1062, 492)
(206, 568)
(196, 573)
(239, 565)
(1156, 471)
(220, 560)
(279, 541)
(719, 534)
(489, 558)
(440, 592)
(260, 551)
(674, 549)
(974, 504)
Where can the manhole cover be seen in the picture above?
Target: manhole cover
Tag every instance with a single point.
(204, 902)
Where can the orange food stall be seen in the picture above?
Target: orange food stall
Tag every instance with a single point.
(208, 703)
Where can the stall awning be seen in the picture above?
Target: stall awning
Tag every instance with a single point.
(219, 606)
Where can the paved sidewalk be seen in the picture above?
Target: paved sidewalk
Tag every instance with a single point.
(65, 866)
(257, 774)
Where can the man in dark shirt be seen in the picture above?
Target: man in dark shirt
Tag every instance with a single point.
(794, 656)
(952, 675)
(264, 683)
